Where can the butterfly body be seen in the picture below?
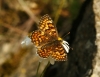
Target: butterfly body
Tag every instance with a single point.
(47, 41)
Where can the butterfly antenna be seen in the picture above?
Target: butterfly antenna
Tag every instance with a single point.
(71, 48)
(66, 34)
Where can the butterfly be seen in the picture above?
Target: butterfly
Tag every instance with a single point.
(48, 42)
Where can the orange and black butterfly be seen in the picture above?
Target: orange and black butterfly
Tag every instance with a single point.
(48, 42)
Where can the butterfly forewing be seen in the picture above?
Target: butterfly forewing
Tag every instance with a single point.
(39, 38)
(45, 33)
(46, 25)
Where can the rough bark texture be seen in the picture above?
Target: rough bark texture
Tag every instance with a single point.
(96, 8)
(83, 35)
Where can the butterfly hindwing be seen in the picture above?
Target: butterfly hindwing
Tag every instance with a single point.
(55, 50)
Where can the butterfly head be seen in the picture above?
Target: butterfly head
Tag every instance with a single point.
(60, 39)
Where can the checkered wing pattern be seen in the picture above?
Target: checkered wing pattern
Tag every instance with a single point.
(39, 38)
(46, 25)
(55, 50)
(46, 32)
(46, 40)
